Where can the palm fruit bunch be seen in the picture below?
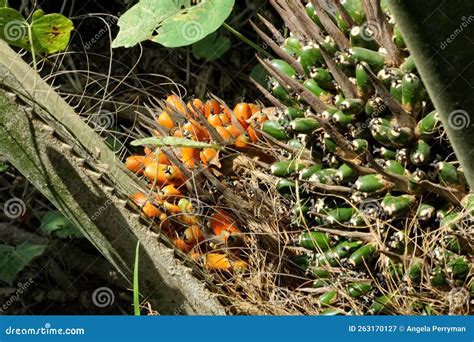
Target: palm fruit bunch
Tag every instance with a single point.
(188, 139)
(380, 201)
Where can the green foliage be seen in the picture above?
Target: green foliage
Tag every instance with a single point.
(54, 222)
(211, 47)
(14, 259)
(136, 290)
(171, 23)
(48, 33)
(4, 167)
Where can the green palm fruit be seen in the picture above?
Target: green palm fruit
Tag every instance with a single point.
(315, 240)
(362, 36)
(307, 172)
(415, 271)
(304, 125)
(358, 289)
(371, 183)
(395, 205)
(294, 113)
(448, 174)
(340, 215)
(328, 298)
(286, 168)
(380, 304)
(324, 176)
(310, 58)
(359, 145)
(373, 58)
(426, 212)
(296, 144)
(314, 87)
(385, 178)
(345, 174)
(292, 46)
(286, 187)
(420, 153)
(322, 77)
(365, 87)
(283, 67)
(275, 129)
(412, 91)
(363, 254)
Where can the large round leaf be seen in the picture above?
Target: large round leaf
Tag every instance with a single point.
(171, 23)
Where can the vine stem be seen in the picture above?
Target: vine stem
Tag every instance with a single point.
(246, 40)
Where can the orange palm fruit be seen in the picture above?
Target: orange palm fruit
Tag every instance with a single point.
(253, 135)
(163, 174)
(151, 211)
(182, 245)
(222, 224)
(174, 103)
(219, 119)
(254, 108)
(243, 112)
(165, 120)
(135, 164)
(224, 133)
(242, 141)
(207, 155)
(198, 131)
(171, 207)
(217, 261)
(160, 157)
(189, 156)
(234, 131)
(195, 105)
(211, 107)
(169, 191)
(146, 206)
(193, 235)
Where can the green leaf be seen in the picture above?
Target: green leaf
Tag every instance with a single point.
(193, 24)
(4, 166)
(51, 32)
(3, 3)
(14, 28)
(171, 23)
(14, 259)
(174, 141)
(211, 47)
(55, 222)
(136, 290)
